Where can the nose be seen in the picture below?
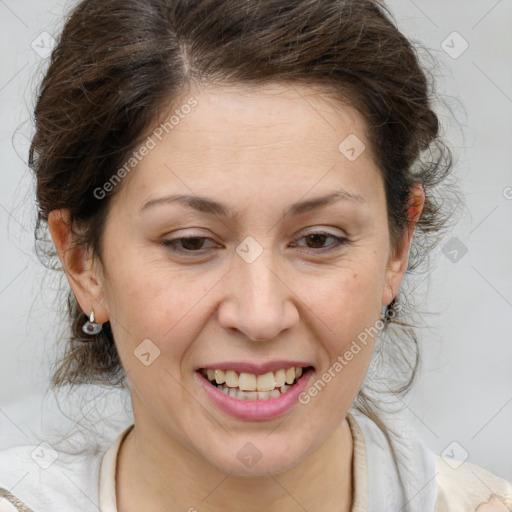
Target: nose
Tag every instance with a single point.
(260, 302)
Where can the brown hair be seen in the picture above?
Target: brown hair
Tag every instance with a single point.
(120, 64)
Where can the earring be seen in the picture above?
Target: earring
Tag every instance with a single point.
(91, 327)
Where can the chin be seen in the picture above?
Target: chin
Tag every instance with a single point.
(257, 459)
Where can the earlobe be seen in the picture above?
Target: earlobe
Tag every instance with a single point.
(388, 295)
(398, 263)
(78, 266)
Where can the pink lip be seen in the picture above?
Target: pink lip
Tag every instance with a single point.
(257, 369)
(256, 410)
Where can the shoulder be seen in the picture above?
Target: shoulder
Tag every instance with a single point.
(466, 486)
(39, 478)
(445, 485)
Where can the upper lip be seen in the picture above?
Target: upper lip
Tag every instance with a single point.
(256, 368)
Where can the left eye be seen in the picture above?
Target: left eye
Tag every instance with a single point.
(192, 244)
(319, 238)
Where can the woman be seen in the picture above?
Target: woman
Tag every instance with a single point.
(233, 189)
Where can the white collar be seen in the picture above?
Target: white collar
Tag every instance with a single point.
(374, 469)
(107, 475)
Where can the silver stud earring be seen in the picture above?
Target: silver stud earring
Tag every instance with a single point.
(91, 327)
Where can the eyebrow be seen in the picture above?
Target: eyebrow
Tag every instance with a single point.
(212, 207)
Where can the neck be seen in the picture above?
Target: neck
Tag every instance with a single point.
(152, 477)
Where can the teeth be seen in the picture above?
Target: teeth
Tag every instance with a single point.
(220, 377)
(268, 382)
(290, 375)
(231, 379)
(252, 395)
(242, 395)
(247, 381)
(280, 378)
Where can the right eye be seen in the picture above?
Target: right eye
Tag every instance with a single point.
(189, 244)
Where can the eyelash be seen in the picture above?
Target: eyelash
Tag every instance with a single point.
(339, 241)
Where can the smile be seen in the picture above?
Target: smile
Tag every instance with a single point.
(249, 386)
(274, 393)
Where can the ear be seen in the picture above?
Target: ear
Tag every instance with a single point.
(397, 265)
(84, 275)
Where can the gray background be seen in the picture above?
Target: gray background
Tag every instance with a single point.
(462, 404)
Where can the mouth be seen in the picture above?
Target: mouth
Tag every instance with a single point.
(251, 386)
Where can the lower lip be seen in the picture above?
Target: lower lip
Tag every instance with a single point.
(256, 410)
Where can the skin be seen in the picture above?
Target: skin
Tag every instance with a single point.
(494, 504)
(304, 298)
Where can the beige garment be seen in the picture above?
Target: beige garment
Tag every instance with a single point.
(469, 488)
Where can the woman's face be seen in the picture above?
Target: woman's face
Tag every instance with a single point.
(254, 267)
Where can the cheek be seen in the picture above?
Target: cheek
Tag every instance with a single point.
(155, 302)
(350, 316)
(348, 298)
(346, 311)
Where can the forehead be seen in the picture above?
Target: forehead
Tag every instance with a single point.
(280, 135)
(273, 118)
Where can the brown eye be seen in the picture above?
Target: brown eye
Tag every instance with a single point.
(192, 244)
(186, 244)
(316, 241)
